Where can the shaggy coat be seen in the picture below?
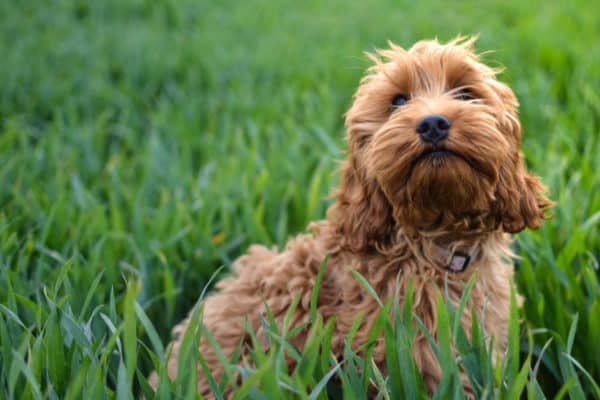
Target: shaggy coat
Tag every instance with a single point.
(403, 205)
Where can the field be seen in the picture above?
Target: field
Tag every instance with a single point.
(144, 144)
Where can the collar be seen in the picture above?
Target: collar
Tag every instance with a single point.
(452, 254)
(459, 262)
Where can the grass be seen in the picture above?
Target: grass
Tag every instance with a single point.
(143, 144)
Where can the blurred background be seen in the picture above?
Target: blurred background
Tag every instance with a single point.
(154, 140)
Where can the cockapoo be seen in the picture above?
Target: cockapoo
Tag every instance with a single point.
(433, 185)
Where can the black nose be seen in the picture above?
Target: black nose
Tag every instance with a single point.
(433, 128)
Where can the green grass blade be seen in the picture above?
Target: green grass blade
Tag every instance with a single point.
(365, 284)
(315, 291)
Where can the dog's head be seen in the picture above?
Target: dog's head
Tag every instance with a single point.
(434, 145)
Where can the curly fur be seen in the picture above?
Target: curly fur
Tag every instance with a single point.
(398, 208)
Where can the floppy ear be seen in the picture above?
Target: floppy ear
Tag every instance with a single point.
(521, 200)
(361, 214)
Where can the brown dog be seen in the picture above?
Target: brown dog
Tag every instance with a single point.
(433, 185)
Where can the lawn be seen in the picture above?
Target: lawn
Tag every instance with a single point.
(146, 143)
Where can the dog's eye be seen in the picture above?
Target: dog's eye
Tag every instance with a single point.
(399, 100)
(463, 94)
